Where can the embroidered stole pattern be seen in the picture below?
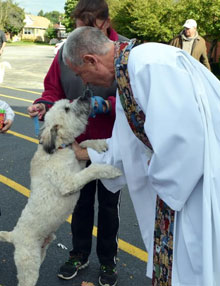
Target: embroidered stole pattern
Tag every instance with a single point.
(134, 114)
(163, 244)
(163, 231)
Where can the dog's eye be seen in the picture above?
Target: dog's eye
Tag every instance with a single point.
(67, 109)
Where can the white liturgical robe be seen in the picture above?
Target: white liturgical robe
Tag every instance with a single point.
(181, 101)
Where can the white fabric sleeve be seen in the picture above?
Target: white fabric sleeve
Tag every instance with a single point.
(173, 125)
(9, 112)
(111, 157)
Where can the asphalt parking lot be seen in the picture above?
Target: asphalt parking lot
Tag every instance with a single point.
(23, 83)
(29, 65)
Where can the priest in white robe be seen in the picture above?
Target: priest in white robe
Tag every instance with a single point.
(180, 100)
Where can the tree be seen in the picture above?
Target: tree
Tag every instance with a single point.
(41, 13)
(3, 13)
(11, 17)
(115, 6)
(68, 8)
(147, 20)
(51, 32)
(54, 16)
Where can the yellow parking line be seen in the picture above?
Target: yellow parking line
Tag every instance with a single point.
(19, 89)
(123, 245)
(12, 184)
(23, 136)
(17, 98)
(22, 114)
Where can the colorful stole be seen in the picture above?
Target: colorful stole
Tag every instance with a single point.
(163, 231)
(134, 114)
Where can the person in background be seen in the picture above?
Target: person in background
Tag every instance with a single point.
(2, 42)
(60, 82)
(166, 141)
(190, 41)
(6, 118)
(8, 114)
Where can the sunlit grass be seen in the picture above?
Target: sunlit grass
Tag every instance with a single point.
(25, 43)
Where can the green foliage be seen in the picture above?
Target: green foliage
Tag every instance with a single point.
(145, 20)
(26, 43)
(51, 32)
(11, 17)
(68, 8)
(158, 20)
(55, 17)
(161, 20)
(41, 13)
(114, 7)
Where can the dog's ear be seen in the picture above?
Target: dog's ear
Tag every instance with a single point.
(48, 139)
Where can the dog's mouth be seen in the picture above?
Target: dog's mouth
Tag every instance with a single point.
(85, 100)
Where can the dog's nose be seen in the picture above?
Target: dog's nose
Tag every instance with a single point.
(87, 92)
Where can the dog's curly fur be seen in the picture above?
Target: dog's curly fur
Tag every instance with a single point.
(56, 178)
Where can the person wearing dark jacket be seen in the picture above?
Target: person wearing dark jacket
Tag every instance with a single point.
(2, 41)
(190, 41)
(60, 82)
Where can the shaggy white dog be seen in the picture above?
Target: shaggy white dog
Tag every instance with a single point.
(56, 178)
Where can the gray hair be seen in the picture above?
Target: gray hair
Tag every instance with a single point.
(84, 40)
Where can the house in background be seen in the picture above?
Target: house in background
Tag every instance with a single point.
(60, 31)
(35, 28)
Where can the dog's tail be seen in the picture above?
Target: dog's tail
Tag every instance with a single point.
(6, 236)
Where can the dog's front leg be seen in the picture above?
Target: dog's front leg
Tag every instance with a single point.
(93, 172)
(99, 145)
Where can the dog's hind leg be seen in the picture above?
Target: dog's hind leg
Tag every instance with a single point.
(28, 261)
(46, 244)
(95, 171)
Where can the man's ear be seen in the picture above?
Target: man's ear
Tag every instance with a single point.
(89, 59)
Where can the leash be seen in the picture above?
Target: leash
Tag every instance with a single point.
(36, 126)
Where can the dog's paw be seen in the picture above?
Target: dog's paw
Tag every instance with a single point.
(99, 145)
(111, 172)
(84, 144)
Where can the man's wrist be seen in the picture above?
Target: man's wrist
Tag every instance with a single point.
(80, 153)
(83, 154)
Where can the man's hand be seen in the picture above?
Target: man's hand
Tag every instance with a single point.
(7, 125)
(37, 109)
(81, 153)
